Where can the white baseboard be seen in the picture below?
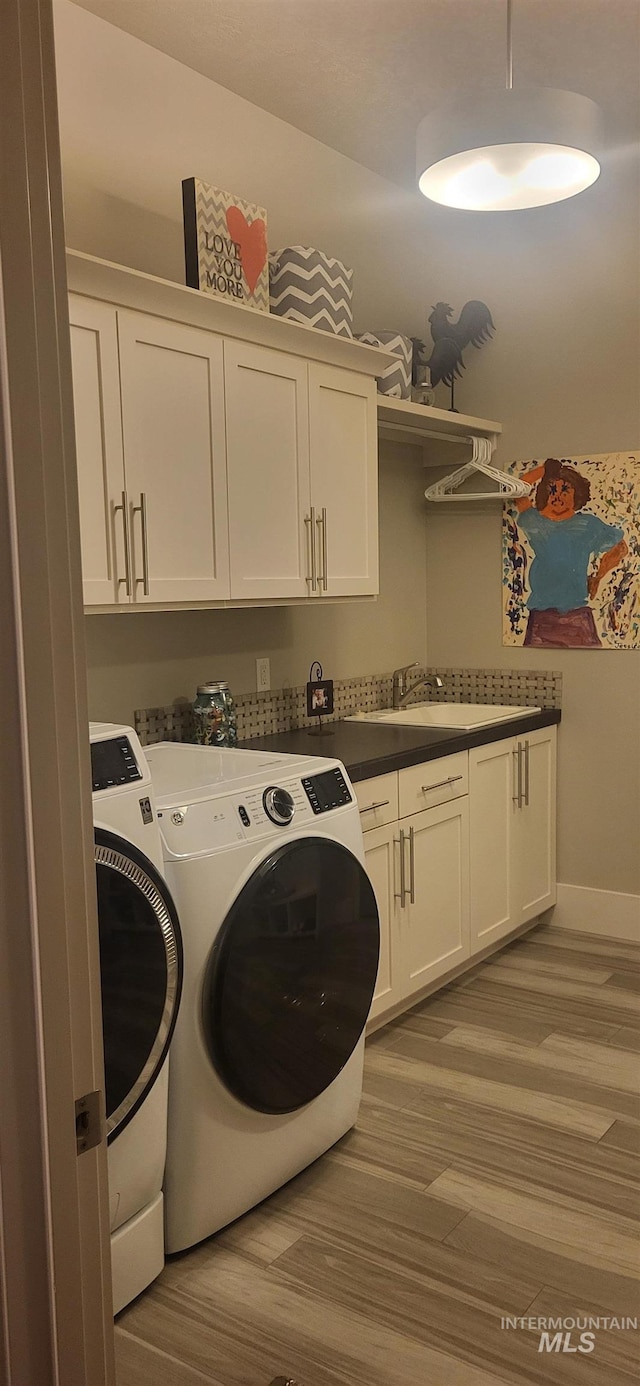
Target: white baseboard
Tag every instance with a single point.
(605, 912)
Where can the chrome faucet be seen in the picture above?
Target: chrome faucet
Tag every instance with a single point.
(401, 693)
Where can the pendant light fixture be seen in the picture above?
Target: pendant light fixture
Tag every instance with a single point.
(506, 150)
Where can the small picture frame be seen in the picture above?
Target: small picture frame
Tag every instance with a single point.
(320, 698)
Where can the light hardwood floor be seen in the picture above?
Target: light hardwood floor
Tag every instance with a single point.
(491, 1173)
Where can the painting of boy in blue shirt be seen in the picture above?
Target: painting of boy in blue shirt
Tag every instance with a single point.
(565, 538)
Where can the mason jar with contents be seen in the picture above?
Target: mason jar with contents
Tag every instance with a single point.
(210, 716)
(230, 711)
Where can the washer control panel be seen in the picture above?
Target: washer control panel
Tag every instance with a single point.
(257, 812)
(113, 763)
(327, 791)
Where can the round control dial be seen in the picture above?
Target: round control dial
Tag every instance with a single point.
(278, 805)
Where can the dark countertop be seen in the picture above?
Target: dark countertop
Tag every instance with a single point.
(367, 749)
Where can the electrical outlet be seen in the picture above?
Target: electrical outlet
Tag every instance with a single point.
(263, 675)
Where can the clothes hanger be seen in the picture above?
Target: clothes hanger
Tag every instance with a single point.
(482, 451)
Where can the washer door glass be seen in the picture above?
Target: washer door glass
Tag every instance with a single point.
(290, 980)
(141, 973)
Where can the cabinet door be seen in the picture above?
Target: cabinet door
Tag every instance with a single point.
(96, 400)
(534, 824)
(381, 855)
(171, 381)
(435, 920)
(268, 467)
(344, 479)
(493, 810)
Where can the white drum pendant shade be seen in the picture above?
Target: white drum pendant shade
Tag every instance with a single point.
(506, 150)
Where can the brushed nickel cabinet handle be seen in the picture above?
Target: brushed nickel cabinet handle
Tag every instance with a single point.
(526, 773)
(520, 749)
(412, 866)
(382, 803)
(403, 888)
(516, 778)
(440, 784)
(127, 554)
(322, 524)
(141, 510)
(310, 523)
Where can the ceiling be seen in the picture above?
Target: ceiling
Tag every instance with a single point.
(360, 74)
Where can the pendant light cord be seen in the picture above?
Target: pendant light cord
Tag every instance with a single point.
(509, 49)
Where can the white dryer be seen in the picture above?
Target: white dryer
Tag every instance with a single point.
(264, 857)
(141, 977)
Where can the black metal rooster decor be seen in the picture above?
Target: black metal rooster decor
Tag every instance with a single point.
(474, 326)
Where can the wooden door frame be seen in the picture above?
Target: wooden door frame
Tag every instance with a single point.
(55, 1307)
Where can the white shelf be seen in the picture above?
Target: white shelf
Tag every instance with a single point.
(402, 421)
(163, 298)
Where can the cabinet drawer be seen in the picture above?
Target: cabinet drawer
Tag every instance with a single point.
(434, 782)
(377, 801)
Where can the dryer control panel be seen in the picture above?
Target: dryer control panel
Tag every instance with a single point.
(327, 791)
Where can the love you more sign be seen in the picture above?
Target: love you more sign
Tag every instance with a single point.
(225, 243)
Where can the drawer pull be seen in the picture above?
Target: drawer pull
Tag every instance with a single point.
(382, 803)
(441, 783)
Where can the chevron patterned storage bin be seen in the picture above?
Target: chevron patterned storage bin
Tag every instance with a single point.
(396, 380)
(309, 287)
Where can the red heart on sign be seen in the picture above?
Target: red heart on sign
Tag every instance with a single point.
(252, 239)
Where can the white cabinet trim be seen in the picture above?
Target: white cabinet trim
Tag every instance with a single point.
(130, 288)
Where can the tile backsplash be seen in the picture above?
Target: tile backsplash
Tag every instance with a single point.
(285, 709)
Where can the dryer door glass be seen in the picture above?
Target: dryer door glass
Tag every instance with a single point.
(290, 980)
(141, 973)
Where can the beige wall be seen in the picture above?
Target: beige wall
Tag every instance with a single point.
(561, 373)
(562, 376)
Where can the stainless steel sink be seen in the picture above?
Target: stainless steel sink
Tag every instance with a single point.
(458, 716)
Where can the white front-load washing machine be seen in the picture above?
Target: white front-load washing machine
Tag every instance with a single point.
(141, 978)
(264, 857)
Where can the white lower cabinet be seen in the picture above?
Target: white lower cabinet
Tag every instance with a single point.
(381, 847)
(534, 827)
(456, 877)
(419, 868)
(512, 796)
(435, 918)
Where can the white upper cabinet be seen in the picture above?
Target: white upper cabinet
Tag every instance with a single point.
(344, 480)
(268, 470)
(175, 464)
(223, 455)
(101, 486)
(303, 470)
(149, 412)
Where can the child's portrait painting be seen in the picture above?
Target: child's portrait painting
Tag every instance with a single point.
(571, 554)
